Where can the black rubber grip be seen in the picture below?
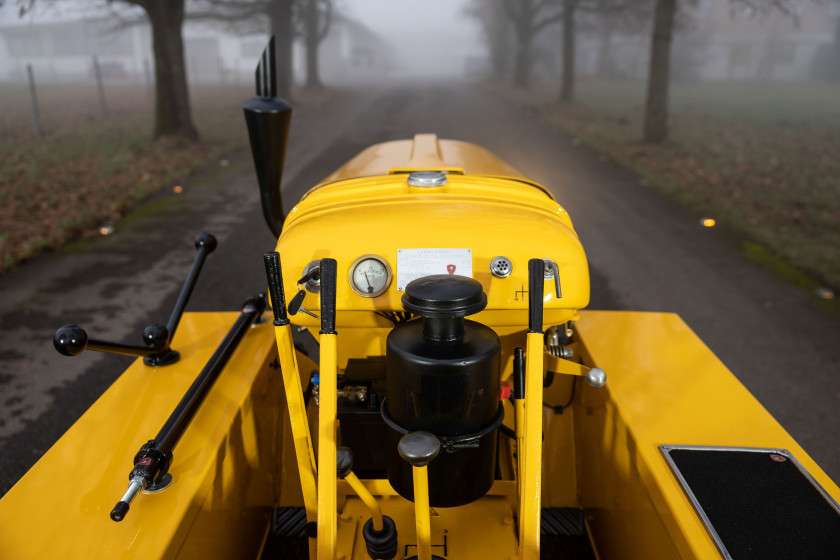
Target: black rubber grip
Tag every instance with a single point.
(381, 545)
(329, 273)
(344, 461)
(518, 373)
(119, 511)
(275, 287)
(536, 288)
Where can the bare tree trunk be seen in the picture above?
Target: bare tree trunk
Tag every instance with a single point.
(656, 109)
(605, 66)
(834, 59)
(499, 37)
(281, 28)
(567, 89)
(173, 118)
(312, 39)
(522, 72)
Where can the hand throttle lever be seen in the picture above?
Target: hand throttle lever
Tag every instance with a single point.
(72, 340)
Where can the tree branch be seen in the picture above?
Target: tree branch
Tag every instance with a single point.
(325, 20)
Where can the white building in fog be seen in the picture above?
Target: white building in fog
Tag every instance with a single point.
(63, 51)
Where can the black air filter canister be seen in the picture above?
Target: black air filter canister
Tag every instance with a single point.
(443, 378)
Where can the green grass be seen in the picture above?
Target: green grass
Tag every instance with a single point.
(760, 158)
(85, 171)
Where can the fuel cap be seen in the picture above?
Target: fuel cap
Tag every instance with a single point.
(427, 179)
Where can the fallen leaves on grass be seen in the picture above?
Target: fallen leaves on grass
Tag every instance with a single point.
(776, 181)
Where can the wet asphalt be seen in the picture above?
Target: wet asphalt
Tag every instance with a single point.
(645, 253)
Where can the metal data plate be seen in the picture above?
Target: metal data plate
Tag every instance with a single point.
(757, 503)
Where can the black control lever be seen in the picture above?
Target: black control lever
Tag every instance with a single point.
(313, 273)
(536, 286)
(152, 461)
(72, 340)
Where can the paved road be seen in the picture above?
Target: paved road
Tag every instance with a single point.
(645, 253)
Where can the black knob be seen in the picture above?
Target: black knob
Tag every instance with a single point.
(70, 340)
(443, 301)
(119, 511)
(419, 448)
(257, 302)
(444, 296)
(344, 461)
(206, 240)
(156, 336)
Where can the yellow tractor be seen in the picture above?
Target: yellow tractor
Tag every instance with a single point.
(431, 388)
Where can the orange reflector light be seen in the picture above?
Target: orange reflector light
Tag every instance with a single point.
(106, 230)
(708, 222)
(177, 189)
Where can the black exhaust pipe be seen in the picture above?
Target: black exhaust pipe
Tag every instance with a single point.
(268, 118)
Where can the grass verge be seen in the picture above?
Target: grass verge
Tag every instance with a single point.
(85, 171)
(759, 158)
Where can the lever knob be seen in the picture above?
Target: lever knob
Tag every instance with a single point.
(70, 340)
(119, 511)
(419, 448)
(206, 240)
(156, 336)
(596, 377)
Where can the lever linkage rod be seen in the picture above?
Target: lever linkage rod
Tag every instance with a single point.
(152, 462)
(72, 340)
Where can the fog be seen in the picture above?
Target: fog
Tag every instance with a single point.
(393, 39)
(428, 38)
(385, 40)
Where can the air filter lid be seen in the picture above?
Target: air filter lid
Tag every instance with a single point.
(444, 295)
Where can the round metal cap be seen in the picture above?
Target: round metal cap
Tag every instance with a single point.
(427, 179)
(501, 267)
(596, 377)
(419, 448)
(444, 295)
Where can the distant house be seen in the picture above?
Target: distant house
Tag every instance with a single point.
(64, 51)
(351, 52)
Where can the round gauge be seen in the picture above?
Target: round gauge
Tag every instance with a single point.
(370, 276)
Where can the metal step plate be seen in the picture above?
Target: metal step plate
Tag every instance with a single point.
(758, 503)
(563, 535)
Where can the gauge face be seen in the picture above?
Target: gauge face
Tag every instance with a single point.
(370, 276)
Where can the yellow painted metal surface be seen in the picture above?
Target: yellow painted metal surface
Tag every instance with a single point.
(562, 366)
(664, 387)
(219, 503)
(519, 422)
(482, 530)
(422, 519)
(425, 152)
(327, 474)
(530, 501)
(298, 421)
(491, 217)
(367, 498)
(488, 207)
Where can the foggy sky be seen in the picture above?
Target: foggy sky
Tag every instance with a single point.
(432, 34)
